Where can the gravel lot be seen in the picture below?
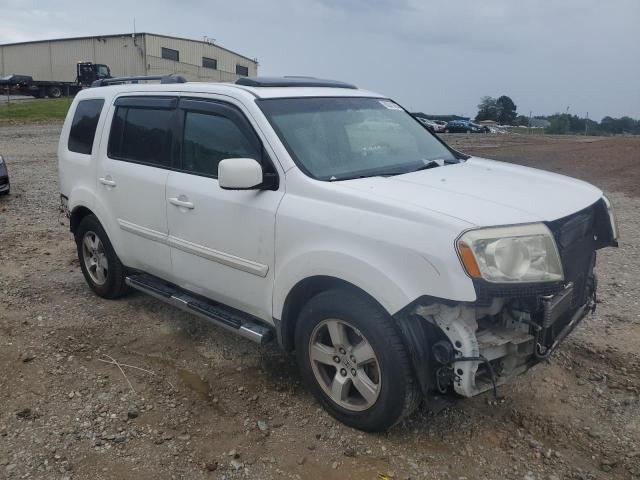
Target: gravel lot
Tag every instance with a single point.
(205, 404)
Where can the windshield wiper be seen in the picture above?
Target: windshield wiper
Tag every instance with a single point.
(390, 173)
(426, 166)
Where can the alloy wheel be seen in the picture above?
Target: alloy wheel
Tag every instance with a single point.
(95, 259)
(344, 364)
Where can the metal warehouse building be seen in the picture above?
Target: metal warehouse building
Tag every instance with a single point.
(127, 55)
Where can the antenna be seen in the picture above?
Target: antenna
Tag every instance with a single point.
(133, 35)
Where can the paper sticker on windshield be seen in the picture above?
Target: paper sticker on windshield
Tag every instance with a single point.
(389, 105)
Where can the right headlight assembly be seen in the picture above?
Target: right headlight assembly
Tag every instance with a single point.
(513, 254)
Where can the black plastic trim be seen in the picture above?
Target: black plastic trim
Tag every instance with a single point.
(233, 113)
(147, 101)
(292, 82)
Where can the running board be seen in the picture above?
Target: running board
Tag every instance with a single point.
(228, 318)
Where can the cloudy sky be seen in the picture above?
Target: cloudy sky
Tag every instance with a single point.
(432, 56)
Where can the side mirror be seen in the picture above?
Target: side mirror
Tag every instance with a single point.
(239, 174)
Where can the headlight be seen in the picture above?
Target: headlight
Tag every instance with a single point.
(1, 160)
(517, 254)
(612, 218)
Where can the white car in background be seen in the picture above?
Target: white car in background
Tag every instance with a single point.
(328, 218)
(436, 126)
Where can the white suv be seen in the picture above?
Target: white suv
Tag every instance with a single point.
(329, 218)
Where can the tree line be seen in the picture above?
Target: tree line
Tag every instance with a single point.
(504, 111)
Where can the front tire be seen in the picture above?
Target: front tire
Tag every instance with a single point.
(100, 265)
(354, 361)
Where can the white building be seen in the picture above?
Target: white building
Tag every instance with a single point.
(127, 55)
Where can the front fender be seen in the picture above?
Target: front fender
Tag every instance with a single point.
(393, 284)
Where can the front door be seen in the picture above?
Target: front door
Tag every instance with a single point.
(222, 241)
(132, 176)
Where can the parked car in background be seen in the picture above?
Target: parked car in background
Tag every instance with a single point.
(464, 126)
(497, 129)
(440, 125)
(427, 123)
(324, 216)
(5, 185)
(436, 126)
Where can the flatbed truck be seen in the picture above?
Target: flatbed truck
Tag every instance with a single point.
(87, 73)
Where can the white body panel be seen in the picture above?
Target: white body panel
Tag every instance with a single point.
(392, 237)
(133, 196)
(223, 247)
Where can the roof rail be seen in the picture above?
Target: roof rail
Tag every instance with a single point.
(119, 80)
(291, 82)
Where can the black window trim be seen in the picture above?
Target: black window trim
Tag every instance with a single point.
(176, 126)
(238, 66)
(233, 113)
(146, 102)
(173, 50)
(95, 132)
(213, 60)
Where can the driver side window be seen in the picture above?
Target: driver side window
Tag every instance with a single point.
(210, 138)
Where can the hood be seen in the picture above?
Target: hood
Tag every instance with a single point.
(485, 192)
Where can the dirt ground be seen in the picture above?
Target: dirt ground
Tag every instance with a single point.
(203, 404)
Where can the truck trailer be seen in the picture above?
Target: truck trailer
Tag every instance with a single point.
(86, 74)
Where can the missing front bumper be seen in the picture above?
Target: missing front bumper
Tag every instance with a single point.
(492, 345)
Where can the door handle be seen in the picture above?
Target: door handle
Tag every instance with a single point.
(181, 203)
(107, 181)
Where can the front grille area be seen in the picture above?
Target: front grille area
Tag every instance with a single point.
(578, 236)
(486, 291)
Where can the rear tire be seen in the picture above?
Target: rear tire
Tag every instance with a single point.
(386, 378)
(54, 92)
(100, 265)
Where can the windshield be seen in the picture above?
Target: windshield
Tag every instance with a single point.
(336, 138)
(103, 71)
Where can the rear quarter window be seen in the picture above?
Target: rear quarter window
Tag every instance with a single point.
(83, 126)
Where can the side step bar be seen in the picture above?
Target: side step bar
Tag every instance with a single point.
(228, 318)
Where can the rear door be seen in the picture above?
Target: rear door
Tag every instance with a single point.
(222, 241)
(132, 175)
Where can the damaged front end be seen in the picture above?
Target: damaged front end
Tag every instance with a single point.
(484, 347)
(473, 347)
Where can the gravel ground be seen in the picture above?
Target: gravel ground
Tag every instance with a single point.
(202, 403)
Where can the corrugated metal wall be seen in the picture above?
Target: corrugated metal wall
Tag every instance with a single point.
(28, 59)
(56, 59)
(190, 64)
(123, 54)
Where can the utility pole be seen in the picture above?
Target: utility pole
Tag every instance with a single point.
(586, 122)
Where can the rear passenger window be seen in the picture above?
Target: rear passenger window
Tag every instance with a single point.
(83, 126)
(211, 138)
(141, 135)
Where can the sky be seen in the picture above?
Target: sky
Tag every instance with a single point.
(438, 57)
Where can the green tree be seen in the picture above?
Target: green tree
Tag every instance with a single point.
(506, 110)
(487, 109)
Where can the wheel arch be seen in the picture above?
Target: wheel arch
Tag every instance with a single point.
(77, 214)
(298, 297)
